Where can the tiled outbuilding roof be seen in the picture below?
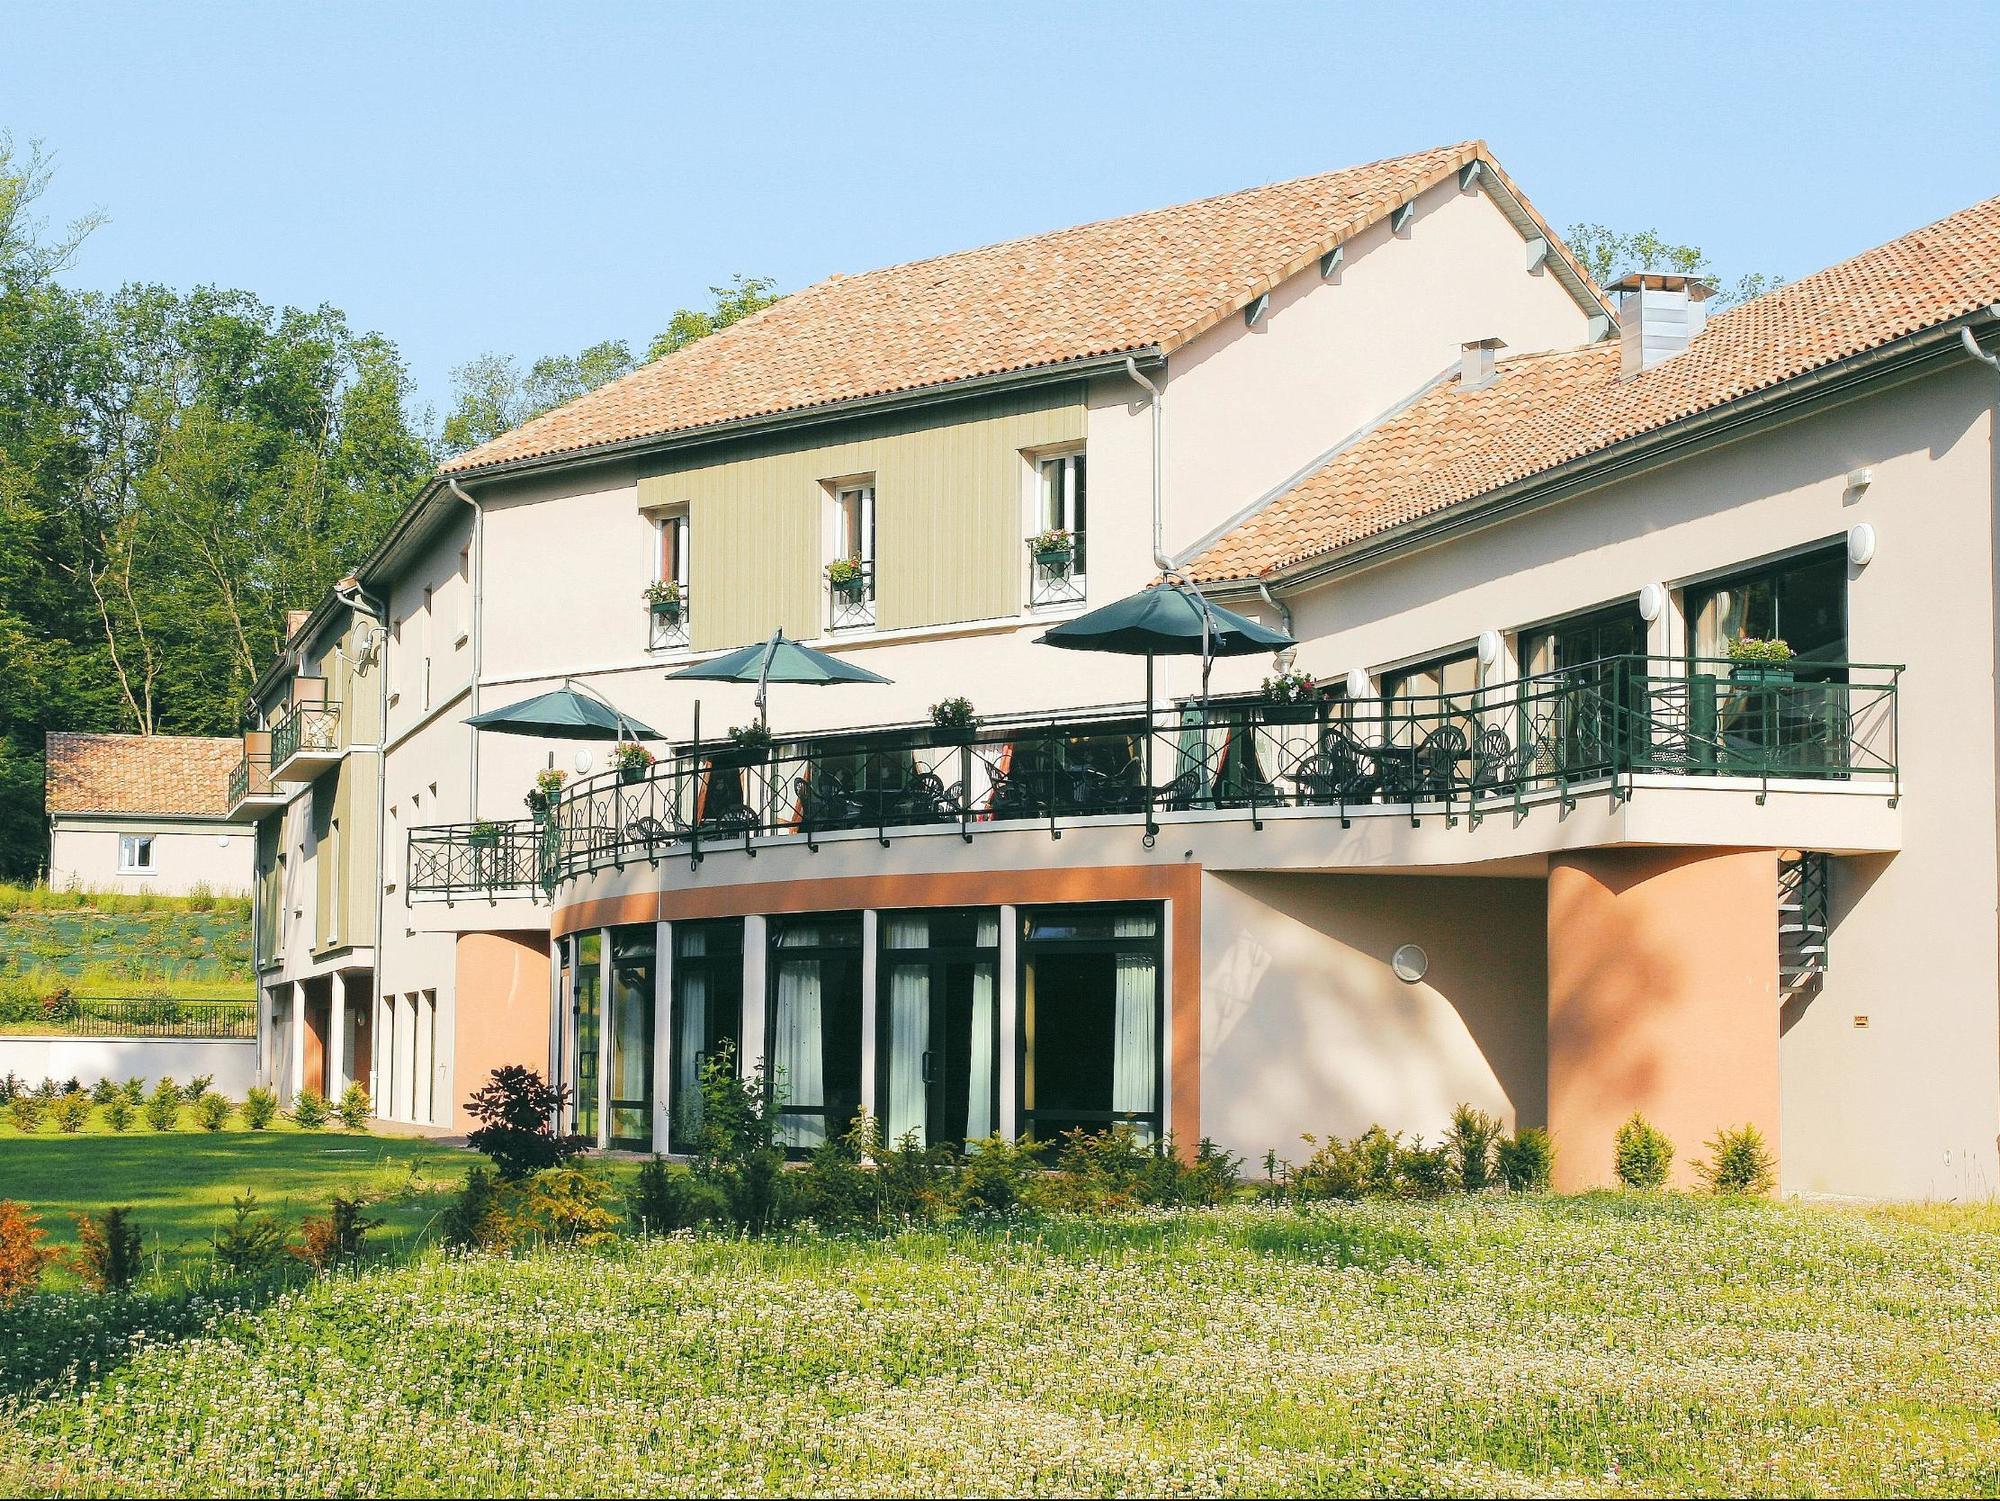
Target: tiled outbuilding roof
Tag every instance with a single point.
(1153, 279)
(184, 775)
(1453, 445)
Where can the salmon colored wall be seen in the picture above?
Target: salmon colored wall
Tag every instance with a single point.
(313, 1071)
(502, 1015)
(1663, 998)
(1180, 884)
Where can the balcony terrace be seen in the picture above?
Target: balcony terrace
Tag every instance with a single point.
(306, 742)
(1611, 729)
(252, 787)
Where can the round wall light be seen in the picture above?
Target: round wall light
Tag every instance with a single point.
(582, 762)
(1860, 544)
(1652, 602)
(1359, 684)
(1410, 963)
(223, 840)
(1489, 648)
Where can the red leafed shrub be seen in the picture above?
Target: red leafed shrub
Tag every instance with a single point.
(22, 1254)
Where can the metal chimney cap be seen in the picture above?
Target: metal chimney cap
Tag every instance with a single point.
(1663, 281)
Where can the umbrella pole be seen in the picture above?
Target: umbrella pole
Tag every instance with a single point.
(1151, 826)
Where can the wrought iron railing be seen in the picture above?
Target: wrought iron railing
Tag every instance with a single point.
(516, 858)
(142, 1016)
(306, 727)
(251, 777)
(1053, 578)
(667, 624)
(850, 604)
(1609, 725)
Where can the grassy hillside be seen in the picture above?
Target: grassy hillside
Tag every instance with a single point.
(103, 943)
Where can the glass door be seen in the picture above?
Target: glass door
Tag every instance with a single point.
(813, 1030)
(707, 1016)
(937, 1026)
(631, 1076)
(1583, 697)
(585, 1029)
(1752, 717)
(1090, 1020)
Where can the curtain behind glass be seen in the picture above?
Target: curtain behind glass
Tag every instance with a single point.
(979, 1069)
(909, 1040)
(799, 1028)
(688, 1044)
(1134, 1040)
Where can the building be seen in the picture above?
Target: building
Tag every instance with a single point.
(310, 775)
(135, 813)
(1532, 839)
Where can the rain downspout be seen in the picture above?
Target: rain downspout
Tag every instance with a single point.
(1157, 401)
(475, 584)
(1284, 619)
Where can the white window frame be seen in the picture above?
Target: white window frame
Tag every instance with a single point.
(673, 552)
(129, 848)
(860, 489)
(1037, 517)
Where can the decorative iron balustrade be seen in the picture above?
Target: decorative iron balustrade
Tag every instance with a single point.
(251, 777)
(516, 858)
(1052, 576)
(850, 604)
(1599, 726)
(307, 727)
(667, 624)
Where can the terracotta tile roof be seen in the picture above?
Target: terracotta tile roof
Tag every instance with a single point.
(1161, 277)
(164, 774)
(1452, 445)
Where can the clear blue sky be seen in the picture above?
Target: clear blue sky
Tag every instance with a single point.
(530, 177)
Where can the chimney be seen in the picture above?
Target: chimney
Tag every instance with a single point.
(293, 620)
(1476, 361)
(1659, 313)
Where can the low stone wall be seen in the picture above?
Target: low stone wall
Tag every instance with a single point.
(88, 1059)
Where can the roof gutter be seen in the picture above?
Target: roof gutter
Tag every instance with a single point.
(1907, 358)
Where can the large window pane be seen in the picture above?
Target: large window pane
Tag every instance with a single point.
(707, 1015)
(938, 1026)
(1090, 1020)
(632, 971)
(585, 1021)
(814, 1037)
(1801, 601)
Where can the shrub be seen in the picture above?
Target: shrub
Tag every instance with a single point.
(197, 1089)
(334, 1238)
(260, 1108)
(1642, 1154)
(1425, 1172)
(25, 1111)
(833, 1189)
(516, 1111)
(568, 1203)
(913, 1181)
(11, 1088)
(310, 1110)
(134, 1090)
(667, 1196)
(355, 1107)
(163, 1109)
(1739, 1162)
(999, 1175)
(253, 1242)
(1526, 1160)
(119, 1113)
(201, 898)
(72, 1112)
(22, 1254)
(107, 1256)
(736, 1147)
(103, 1092)
(1369, 1165)
(213, 1111)
(1471, 1141)
(471, 1219)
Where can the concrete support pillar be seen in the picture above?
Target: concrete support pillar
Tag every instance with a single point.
(871, 927)
(1008, 1122)
(756, 944)
(336, 1038)
(663, 1033)
(1663, 999)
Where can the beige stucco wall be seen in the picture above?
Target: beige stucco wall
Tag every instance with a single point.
(1305, 1027)
(83, 851)
(502, 1011)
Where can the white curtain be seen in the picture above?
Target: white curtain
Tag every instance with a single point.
(909, 1039)
(689, 1039)
(979, 1070)
(1135, 1040)
(799, 1026)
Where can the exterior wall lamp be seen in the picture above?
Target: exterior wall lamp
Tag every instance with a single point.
(1860, 544)
(1652, 602)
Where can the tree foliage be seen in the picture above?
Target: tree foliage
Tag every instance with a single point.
(1607, 255)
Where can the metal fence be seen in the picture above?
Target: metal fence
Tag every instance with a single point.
(142, 1016)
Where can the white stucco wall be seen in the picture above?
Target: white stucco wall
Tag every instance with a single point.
(88, 1059)
(83, 851)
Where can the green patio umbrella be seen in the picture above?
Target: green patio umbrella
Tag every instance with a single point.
(1171, 619)
(565, 713)
(776, 661)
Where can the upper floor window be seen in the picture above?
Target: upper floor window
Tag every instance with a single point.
(1057, 546)
(1800, 601)
(667, 595)
(135, 855)
(850, 572)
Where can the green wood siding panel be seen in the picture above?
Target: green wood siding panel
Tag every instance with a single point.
(948, 519)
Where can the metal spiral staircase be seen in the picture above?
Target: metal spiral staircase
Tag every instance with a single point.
(1802, 923)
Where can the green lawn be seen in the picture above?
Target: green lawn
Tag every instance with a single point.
(1628, 1344)
(180, 1184)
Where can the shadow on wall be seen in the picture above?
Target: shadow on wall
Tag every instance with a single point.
(1306, 1028)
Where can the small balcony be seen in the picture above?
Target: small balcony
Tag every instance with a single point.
(851, 599)
(306, 742)
(667, 622)
(251, 786)
(1505, 753)
(485, 860)
(1055, 574)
